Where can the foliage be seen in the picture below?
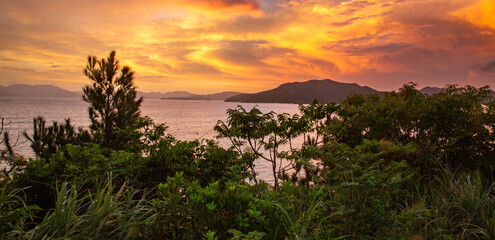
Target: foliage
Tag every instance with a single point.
(368, 184)
(462, 207)
(114, 105)
(201, 160)
(185, 209)
(449, 128)
(263, 135)
(13, 162)
(46, 140)
(41, 177)
(13, 209)
(106, 214)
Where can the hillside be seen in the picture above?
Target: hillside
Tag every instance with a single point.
(221, 96)
(430, 90)
(215, 96)
(4, 92)
(305, 92)
(25, 90)
(158, 95)
(195, 97)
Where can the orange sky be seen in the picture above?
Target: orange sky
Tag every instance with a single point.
(207, 46)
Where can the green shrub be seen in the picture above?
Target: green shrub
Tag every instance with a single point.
(187, 210)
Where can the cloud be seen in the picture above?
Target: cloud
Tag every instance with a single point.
(251, 4)
(248, 53)
(266, 23)
(415, 12)
(377, 49)
(483, 73)
(489, 67)
(197, 68)
(354, 6)
(345, 23)
(9, 68)
(369, 45)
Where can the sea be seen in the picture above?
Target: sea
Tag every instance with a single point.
(186, 119)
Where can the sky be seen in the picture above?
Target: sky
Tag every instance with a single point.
(208, 46)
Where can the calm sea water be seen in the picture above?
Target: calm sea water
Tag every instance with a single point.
(187, 120)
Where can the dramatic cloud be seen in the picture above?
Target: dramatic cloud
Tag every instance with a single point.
(250, 4)
(250, 45)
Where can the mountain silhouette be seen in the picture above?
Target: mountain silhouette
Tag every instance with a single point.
(430, 90)
(25, 90)
(215, 96)
(305, 92)
(157, 95)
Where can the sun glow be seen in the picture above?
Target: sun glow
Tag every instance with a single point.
(481, 13)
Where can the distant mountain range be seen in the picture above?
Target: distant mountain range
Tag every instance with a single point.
(158, 95)
(297, 92)
(25, 90)
(190, 96)
(183, 95)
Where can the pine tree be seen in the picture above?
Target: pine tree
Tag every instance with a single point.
(112, 96)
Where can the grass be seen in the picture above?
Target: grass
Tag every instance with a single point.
(109, 213)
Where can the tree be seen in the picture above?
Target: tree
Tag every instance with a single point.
(47, 140)
(264, 136)
(114, 105)
(13, 162)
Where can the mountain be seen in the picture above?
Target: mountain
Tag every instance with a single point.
(178, 94)
(216, 96)
(305, 92)
(195, 97)
(221, 95)
(150, 95)
(157, 95)
(5, 92)
(25, 90)
(430, 90)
